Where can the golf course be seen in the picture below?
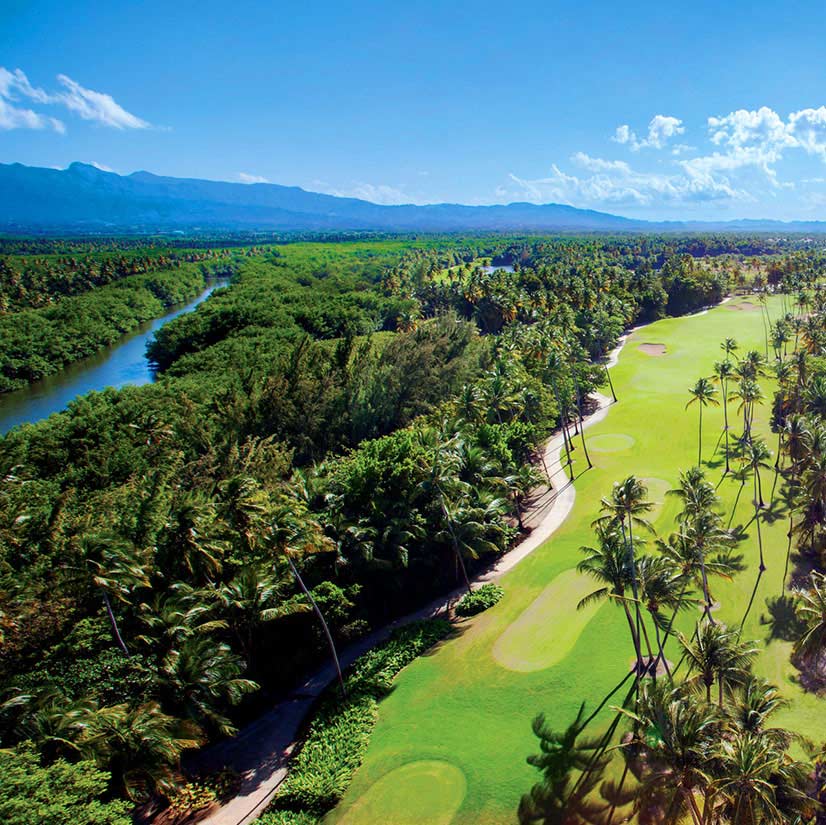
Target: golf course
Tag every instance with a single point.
(452, 738)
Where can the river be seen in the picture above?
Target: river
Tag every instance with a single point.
(124, 362)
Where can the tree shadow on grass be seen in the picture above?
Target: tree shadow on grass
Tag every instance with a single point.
(781, 619)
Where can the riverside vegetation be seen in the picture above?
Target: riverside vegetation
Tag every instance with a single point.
(346, 431)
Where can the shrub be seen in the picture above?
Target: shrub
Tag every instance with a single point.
(481, 599)
(339, 732)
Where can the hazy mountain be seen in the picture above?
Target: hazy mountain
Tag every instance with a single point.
(84, 198)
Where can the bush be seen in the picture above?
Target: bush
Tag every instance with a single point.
(340, 730)
(481, 599)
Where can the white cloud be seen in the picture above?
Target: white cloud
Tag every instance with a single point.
(86, 103)
(245, 177)
(375, 193)
(616, 182)
(96, 106)
(661, 128)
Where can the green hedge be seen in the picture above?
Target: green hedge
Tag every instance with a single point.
(340, 730)
(486, 596)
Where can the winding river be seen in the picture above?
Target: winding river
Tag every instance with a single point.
(124, 362)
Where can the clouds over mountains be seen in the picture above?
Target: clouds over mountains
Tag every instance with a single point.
(735, 158)
(22, 105)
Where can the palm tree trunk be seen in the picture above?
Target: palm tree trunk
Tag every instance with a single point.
(456, 549)
(563, 414)
(331, 643)
(706, 593)
(759, 533)
(582, 424)
(660, 649)
(700, 439)
(788, 552)
(113, 622)
(635, 639)
(725, 419)
(610, 384)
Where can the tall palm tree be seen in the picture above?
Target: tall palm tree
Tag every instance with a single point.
(661, 588)
(755, 456)
(608, 563)
(750, 394)
(294, 534)
(704, 394)
(729, 347)
(723, 371)
(625, 508)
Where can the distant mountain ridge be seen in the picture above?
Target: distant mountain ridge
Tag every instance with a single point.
(84, 198)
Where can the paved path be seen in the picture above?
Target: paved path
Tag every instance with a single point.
(259, 753)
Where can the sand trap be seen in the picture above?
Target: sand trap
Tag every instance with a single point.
(652, 349)
(547, 630)
(426, 791)
(743, 306)
(610, 443)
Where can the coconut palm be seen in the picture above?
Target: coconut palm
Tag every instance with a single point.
(749, 393)
(756, 455)
(202, 677)
(251, 599)
(661, 589)
(729, 347)
(723, 372)
(625, 509)
(715, 653)
(704, 394)
(811, 610)
(609, 564)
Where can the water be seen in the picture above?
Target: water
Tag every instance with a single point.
(124, 362)
(490, 269)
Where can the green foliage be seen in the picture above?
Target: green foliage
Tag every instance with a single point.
(340, 730)
(62, 793)
(479, 600)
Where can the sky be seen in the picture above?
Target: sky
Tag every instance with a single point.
(700, 110)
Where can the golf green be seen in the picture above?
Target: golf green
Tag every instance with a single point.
(470, 704)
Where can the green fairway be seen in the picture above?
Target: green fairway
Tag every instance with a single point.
(452, 737)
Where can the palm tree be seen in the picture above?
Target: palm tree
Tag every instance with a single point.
(293, 534)
(723, 371)
(729, 346)
(520, 484)
(608, 564)
(251, 599)
(661, 588)
(677, 735)
(755, 456)
(716, 653)
(811, 610)
(625, 508)
(202, 676)
(118, 568)
(749, 393)
(703, 393)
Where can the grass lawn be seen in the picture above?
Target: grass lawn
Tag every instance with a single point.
(452, 737)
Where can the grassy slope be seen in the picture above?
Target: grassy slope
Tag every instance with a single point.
(461, 707)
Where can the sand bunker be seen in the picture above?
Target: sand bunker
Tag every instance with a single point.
(549, 627)
(427, 791)
(652, 349)
(743, 306)
(610, 443)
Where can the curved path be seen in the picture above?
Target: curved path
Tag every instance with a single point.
(260, 752)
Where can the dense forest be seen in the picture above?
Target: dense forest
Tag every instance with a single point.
(348, 429)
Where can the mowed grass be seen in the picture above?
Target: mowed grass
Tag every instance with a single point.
(469, 704)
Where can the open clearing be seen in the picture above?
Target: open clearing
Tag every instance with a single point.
(471, 703)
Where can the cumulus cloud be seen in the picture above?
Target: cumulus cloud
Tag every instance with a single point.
(661, 128)
(245, 177)
(87, 104)
(616, 182)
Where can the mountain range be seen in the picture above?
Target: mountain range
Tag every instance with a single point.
(86, 199)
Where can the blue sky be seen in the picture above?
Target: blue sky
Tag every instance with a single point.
(658, 110)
